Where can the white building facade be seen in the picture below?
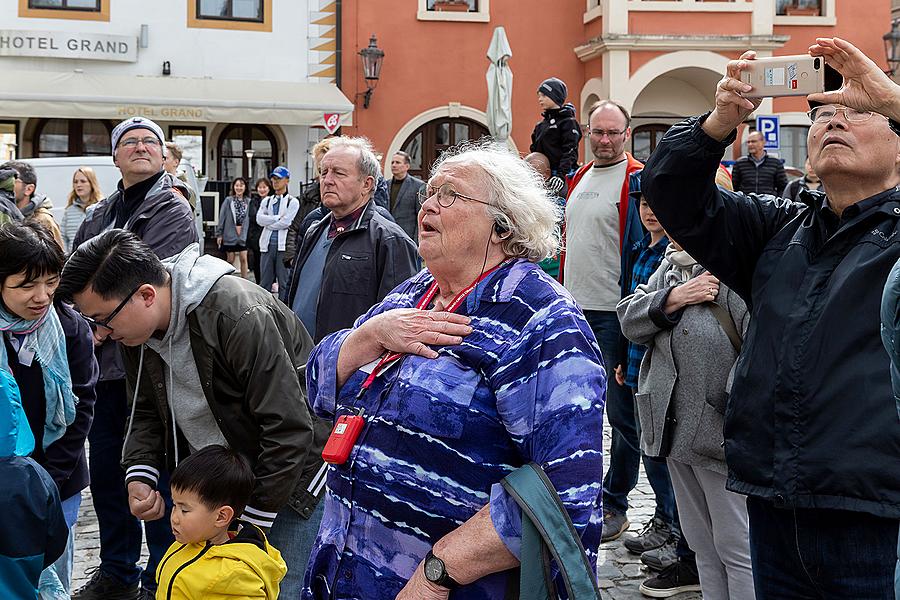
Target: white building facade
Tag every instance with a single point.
(242, 85)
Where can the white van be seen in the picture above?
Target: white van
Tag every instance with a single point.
(54, 179)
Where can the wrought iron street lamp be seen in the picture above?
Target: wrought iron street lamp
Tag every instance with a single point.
(892, 46)
(372, 57)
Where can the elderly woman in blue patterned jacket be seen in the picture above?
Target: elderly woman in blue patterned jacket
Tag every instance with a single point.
(497, 367)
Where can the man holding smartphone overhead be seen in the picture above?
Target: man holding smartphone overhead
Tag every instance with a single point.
(811, 433)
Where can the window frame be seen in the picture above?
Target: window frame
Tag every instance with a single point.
(482, 15)
(826, 18)
(197, 21)
(77, 14)
(18, 135)
(74, 133)
(197, 129)
(246, 167)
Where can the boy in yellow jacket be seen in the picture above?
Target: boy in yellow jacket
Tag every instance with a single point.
(207, 561)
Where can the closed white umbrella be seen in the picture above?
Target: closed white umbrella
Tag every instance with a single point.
(499, 85)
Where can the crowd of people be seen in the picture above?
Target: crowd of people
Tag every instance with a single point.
(348, 422)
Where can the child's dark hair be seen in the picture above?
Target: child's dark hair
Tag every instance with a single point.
(218, 475)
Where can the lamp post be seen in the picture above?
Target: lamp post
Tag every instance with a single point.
(249, 152)
(892, 46)
(372, 58)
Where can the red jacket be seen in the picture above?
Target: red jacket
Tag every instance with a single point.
(633, 165)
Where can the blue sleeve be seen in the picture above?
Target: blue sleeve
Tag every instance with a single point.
(890, 324)
(550, 387)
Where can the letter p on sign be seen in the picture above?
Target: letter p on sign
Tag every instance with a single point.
(770, 128)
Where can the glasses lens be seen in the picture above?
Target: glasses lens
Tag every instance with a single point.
(446, 195)
(857, 116)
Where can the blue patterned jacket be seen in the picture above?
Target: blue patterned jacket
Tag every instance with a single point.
(526, 385)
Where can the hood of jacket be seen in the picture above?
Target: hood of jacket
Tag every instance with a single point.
(192, 276)
(566, 111)
(15, 434)
(252, 548)
(37, 201)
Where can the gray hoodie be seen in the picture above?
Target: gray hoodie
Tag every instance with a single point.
(192, 277)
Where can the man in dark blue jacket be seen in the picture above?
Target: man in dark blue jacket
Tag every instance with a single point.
(811, 433)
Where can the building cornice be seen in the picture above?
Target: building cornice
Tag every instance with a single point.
(595, 47)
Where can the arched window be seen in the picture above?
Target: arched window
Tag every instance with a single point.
(428, 141)
(234, 144)
(644, 139)
(72, 137)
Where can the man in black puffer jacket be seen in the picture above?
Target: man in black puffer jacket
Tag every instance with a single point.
(558, 135)
(758, 173)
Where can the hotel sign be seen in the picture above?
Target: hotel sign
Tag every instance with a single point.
(60, 44)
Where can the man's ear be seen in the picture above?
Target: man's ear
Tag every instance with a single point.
(29, 189)
(148, 294)
(369, 185)
(224, 516)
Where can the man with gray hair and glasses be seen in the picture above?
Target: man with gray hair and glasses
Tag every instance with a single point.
(350, 259)
(811, 432)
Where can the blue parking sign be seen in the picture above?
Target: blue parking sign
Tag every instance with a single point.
(770, 128)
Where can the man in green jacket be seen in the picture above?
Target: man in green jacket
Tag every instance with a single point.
(210, 358)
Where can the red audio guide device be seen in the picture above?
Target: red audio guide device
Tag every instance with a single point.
(343, 437)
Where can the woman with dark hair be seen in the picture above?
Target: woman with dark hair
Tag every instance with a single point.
(48, 348)
(262, 189)
(232, 230)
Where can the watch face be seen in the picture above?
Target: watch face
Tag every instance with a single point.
(434, 568)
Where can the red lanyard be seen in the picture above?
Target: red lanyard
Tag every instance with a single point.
(388, 358)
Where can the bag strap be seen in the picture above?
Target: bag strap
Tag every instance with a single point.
(546, 525)
(727, 323)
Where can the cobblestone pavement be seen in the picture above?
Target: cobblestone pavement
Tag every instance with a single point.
(619, 572)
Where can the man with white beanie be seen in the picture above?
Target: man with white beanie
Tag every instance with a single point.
(152, 204)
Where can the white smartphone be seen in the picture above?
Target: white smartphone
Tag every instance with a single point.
(798, 75)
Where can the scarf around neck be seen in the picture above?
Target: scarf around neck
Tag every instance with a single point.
(682, 267)
(47, 340)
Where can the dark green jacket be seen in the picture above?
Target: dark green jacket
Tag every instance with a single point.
(255, 385)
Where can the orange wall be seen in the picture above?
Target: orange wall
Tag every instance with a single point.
(429, 64)
(681, 23)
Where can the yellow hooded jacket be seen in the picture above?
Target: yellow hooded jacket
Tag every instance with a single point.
(244, 567)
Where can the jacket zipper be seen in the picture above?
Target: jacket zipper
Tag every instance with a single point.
(183, 567)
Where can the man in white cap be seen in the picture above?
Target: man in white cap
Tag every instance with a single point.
(152, 204)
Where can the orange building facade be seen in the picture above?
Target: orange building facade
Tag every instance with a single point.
(660, 59)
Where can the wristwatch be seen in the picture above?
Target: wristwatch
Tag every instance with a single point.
(436, 572)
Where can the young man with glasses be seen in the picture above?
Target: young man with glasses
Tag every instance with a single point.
(151, 204)
(210, 358)
(811, 434)
(349, 260)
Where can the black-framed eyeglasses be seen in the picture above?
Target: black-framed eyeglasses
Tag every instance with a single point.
(825, 113)
(105, 323)
(446, 195)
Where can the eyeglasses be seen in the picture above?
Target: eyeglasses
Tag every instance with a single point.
(131, 143)
(104, 323)
(825, 113)
(612, 133)
(446, 195)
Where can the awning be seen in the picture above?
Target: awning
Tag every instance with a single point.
(92, 96)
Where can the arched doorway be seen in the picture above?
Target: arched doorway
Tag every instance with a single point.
(71, 137)
(234, 144)
(427, 142)
(667, 99)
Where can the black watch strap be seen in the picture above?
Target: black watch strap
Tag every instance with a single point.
(436, 572)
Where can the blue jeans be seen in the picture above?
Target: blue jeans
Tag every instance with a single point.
(625, 454)
(120, 531)
(818, 553)
(272, 265)
(295, 537)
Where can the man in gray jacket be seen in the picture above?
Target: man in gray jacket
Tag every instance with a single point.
(210, 358)
(153, 205)
(404, 195)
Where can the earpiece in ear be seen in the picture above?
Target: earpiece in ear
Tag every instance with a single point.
(501, 231)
